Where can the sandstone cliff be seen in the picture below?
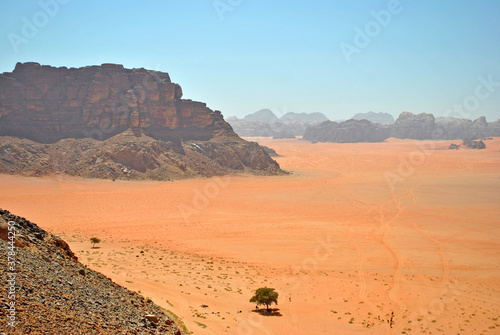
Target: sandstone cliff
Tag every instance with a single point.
(46, 104)
(131, 120)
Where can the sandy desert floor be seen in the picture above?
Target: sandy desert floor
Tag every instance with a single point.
(355, 232)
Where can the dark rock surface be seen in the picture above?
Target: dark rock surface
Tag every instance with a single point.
(471, 144)
(56, 294)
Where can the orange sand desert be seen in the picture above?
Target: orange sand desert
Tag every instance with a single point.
(354, 233)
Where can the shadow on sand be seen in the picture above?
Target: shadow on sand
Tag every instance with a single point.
(268, 312)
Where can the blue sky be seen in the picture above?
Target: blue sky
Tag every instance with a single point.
(240, 56)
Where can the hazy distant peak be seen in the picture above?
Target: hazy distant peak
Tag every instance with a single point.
(264, 115)
(381, 118)
(292, 117)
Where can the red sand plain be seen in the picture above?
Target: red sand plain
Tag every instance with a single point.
(354, 233)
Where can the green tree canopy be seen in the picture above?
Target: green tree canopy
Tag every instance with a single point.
(94, 240)
(265, 296)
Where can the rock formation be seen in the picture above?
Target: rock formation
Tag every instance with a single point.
(53, 293)
(465, 129)
(471, 144)
(418, 127)
(46, 104)
(172, 137)
(350, 131)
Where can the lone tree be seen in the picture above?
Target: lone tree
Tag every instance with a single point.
(94, 240)
(265, 296)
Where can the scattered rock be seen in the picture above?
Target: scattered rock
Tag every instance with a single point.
(471, 144)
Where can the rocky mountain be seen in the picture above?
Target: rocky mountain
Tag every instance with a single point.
(380, 118)
(48, 291)
(419, 127)
(102, 120)
(263, 115)
(350, 131)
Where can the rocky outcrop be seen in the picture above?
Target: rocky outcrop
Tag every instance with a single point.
(131, 120)
(380, 118)
(418, 127)
(350, 131)
(454, 128)
(53, 293)
(46, 104)
(471, 144)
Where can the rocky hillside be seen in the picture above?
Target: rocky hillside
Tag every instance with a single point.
(128, 157)
(110, 122)
(50, 292)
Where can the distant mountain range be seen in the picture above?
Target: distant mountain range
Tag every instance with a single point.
(408, 125)
(264, 123)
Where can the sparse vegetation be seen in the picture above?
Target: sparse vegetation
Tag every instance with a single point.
(94, 241)
(265, 296)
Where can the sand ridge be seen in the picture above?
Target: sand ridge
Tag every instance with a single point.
(355, 232)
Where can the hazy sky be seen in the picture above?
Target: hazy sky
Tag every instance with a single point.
(239, 56)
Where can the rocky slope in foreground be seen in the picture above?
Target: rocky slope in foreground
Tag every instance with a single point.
(56, 294)
(110, 122)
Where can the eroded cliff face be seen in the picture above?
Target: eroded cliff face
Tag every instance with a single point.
(110, 122)
(46, 104)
